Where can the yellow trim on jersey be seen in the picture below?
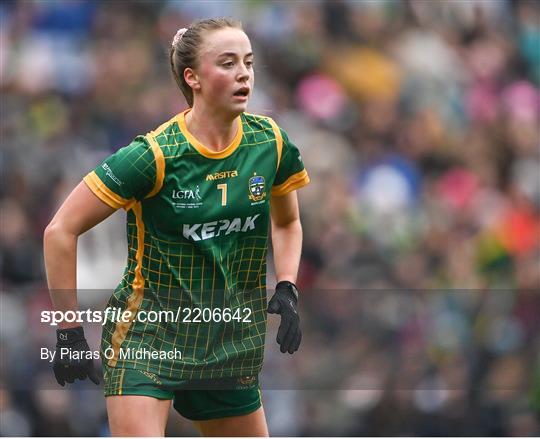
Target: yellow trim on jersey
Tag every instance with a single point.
(279, 139)
(121, 381)
(295, 181)
(163, 127)
(160, 164)
(137, 290)
(203, 150)
(99, 189)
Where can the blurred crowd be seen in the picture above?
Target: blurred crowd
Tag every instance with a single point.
(419, 124)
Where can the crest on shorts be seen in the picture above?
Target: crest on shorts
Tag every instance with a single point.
(246, 381)
(257, 188)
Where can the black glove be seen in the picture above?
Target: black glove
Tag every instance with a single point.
(284, 302)
(72, 364)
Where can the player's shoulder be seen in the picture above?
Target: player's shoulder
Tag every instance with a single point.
(168, 139)
(138, 146)
(152, 144)
(163, 132)
(259, 122)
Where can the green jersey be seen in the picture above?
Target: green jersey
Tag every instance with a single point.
(197, 230)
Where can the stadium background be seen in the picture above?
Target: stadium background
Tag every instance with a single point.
(419, 124)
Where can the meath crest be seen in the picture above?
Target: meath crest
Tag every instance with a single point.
(246, 381)
(256, 188)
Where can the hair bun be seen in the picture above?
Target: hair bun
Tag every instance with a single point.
(178, 36)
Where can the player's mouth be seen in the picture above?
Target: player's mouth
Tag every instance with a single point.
(242, 94)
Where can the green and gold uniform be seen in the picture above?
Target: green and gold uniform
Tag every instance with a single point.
(197, 229)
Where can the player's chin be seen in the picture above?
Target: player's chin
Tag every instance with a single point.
(239, 105)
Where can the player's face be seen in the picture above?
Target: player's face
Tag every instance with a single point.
(226, 70)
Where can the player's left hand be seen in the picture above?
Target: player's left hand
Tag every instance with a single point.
(284, 302)
(70, 361)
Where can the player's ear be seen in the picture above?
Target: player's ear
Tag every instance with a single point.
(192, 79)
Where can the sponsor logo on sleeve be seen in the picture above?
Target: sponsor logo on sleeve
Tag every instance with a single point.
(110, 174)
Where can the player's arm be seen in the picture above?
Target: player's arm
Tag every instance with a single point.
(286, 235)
(81, 211)
(287, 246)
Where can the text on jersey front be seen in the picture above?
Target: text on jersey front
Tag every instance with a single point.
(200, 232)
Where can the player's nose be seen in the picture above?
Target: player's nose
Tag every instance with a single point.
(243, 73)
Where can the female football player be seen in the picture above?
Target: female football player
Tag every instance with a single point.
(200, 193)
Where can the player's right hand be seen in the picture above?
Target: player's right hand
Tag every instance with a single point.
(72, 360)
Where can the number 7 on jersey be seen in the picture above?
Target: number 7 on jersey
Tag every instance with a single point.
(223, 188)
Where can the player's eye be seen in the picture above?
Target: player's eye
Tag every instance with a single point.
(249, 64)
(228, 64)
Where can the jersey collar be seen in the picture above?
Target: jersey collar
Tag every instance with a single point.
(203, 150)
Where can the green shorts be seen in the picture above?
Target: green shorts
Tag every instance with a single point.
(197, 400)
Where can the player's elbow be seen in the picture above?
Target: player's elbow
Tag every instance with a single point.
(51, 232)
(292, 225)
(54, 232)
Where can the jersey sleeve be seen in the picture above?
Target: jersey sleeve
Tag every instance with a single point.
(291, 174)
(125, 177)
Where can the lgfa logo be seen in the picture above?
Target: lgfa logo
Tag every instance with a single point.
(186, 194)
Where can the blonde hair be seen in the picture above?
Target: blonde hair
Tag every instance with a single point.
(185, 48)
